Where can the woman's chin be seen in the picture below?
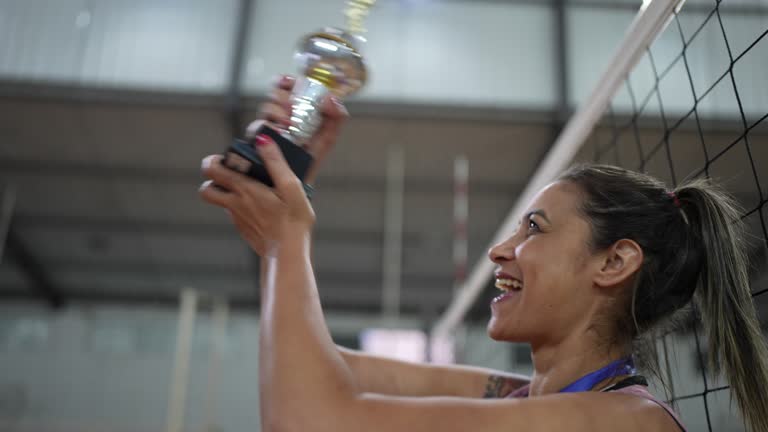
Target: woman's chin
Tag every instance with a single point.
(503, 332)
(496, 330)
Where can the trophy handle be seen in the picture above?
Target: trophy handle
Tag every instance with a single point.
(241, 156)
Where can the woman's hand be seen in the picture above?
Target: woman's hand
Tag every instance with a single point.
(266, 217)
(277, 112)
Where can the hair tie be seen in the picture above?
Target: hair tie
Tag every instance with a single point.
(675, 199)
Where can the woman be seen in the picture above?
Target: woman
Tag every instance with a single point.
(602, 257)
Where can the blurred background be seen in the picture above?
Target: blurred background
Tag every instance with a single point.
(125, 301)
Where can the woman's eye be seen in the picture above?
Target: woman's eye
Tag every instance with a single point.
(533, 226)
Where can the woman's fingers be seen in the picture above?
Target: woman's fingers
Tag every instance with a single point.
(285, 82)
(277, 110)
(272, 113)
(286, 183)
(334, 115)
(281, 95)
(263, 215)
(222, 176)
(333, 108)
(216, 195)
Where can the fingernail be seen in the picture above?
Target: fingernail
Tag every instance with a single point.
(262, 140)
(206, 162)
(205, 185)
(282, 80)
(340, 105)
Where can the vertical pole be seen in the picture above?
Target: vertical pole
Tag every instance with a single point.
(234, 103)
(6, 212)
(177, 400)
(220, 317)
(460, 214)
(445, 346)
(393, 233)
(562, 70)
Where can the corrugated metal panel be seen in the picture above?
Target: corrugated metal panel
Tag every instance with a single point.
(177, 44)
(464, 52)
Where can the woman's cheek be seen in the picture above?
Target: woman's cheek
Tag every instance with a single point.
(526, 256)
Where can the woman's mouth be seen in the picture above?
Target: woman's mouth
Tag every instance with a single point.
(509, 285)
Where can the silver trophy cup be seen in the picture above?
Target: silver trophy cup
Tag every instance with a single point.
(329, 63)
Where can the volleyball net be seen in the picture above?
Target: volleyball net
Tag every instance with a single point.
(699, 112)
(685, 96)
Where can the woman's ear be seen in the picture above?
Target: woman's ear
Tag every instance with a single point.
(619, 263)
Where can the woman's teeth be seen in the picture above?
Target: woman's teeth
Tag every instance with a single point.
(509, 284)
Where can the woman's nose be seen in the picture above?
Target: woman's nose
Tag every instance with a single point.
(503, 251)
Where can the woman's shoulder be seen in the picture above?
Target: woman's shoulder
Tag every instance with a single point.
(642, 391)
(635, 390)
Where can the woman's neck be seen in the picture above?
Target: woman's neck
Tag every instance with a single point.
(556, 366)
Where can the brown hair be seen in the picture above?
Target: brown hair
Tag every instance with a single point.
(692, 241)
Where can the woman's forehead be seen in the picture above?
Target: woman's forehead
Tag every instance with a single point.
(558, 198)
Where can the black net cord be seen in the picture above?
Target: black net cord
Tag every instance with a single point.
(609, 150)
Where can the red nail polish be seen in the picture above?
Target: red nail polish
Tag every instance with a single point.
(262, 140)
(285, 80)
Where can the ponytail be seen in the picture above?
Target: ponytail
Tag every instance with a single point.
(693, 248)
(736, 345)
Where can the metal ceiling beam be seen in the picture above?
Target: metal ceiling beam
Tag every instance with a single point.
(25, 259)
(70, 93)
(756, 8)
(7, 204)
(189, 177)
(92, 224)
(77, 93)
(17, 91)
(171, 301)
(202, 270)
(560, 60)
(562, 71)
(234, 105)
(342, 287)
(13, 247)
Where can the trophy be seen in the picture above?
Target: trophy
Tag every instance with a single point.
(329, 63)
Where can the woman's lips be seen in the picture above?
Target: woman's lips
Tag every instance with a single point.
(502, 297)
(507, 282)
(505, 296)
(510, 285)
(502, 275)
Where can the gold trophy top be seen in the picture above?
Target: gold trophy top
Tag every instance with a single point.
(356, 12)
(329, 62)
(332, 56)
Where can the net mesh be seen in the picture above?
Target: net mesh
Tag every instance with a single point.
(697, 105)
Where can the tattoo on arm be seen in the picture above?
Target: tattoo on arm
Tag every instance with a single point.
(499, 386)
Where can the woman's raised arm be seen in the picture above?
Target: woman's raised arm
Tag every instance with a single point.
(305, 383)
(376, 374)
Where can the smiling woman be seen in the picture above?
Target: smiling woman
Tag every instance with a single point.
(602, 257)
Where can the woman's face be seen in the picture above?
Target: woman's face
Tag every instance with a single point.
(545, 271)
